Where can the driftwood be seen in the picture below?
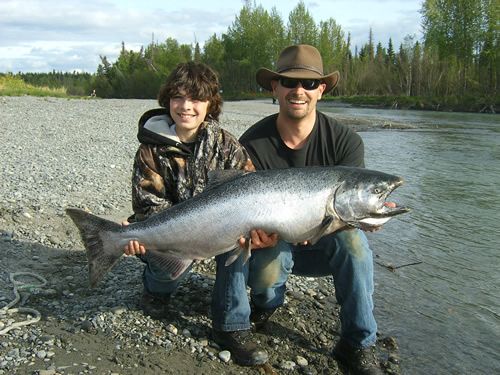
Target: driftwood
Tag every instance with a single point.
(393, 268)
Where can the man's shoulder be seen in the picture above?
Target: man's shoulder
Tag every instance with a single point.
(333, 125)
(329, 120)
(261, 127)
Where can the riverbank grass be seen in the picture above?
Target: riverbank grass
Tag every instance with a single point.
(15, 86)
(453, 103)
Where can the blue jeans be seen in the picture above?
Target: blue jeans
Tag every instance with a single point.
(345, 255)
(158, 282)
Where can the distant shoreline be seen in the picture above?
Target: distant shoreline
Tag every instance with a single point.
(468, 104)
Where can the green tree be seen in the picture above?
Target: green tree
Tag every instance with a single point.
(165, 56)
(249, 44)
(345, 84)
(489, 57)
(416, 63)
(370, 46)
(301, 27)
(404, 65)
(332, 46)
(455, 28)
(197, 52)
(390, 57)
(213, 53)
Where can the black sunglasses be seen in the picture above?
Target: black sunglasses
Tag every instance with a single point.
(307, 84)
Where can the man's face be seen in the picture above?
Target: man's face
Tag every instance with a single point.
(296, 102)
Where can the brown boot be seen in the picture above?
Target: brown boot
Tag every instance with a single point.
(243, 347)
(358, 361)
(260, 317)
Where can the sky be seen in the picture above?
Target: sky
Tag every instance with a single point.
(70, 35)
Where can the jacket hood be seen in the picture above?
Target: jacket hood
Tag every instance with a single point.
(157, 127)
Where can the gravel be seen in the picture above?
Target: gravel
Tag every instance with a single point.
(58, 153)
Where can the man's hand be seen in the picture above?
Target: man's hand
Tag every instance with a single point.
(133, 247)
(260, 239)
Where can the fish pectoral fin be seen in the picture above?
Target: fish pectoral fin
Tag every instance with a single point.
(236, 253)
(325, 226)
(239, 251)
(171, 264)
(248, 250)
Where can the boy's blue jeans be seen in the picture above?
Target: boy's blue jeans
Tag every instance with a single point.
(345, 255)
(158, 282)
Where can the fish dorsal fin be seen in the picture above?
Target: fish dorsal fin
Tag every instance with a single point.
(173, 265)
(219, 176)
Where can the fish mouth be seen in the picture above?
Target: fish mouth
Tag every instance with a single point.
(391, 209)
(386, 210)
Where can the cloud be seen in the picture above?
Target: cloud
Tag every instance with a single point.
(386, 18)
(69, 35)
(41, 36)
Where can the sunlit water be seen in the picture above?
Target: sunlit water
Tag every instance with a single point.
(444, 312)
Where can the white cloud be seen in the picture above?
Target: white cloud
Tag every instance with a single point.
(70, 35)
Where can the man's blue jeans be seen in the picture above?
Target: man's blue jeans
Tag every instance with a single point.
(345, 255)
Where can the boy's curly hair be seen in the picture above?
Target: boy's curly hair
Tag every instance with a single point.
(196, 80)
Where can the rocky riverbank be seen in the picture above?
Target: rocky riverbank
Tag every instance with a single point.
(58, 153)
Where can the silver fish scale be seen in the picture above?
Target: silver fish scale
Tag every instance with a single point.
(297, 204)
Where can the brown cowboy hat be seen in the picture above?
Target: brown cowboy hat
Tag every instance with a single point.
(299, 61)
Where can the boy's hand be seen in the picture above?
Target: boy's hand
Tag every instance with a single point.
(133, 247)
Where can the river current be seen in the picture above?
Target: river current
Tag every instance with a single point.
(444, 311)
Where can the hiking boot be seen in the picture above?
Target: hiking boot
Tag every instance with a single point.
(358, 361)
(154, 306)
(259, 317)
(242, 345)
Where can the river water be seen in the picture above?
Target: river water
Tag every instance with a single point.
(445, 311)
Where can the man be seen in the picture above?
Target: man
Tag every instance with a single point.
(299, 136)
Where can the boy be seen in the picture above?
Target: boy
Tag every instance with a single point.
(180, 143)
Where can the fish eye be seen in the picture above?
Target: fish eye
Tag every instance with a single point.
(377, 190)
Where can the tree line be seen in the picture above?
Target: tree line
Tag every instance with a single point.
(458, 56)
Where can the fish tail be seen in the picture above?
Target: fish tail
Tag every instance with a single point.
(99, 238)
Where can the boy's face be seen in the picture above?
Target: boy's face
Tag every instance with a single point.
(188, 114)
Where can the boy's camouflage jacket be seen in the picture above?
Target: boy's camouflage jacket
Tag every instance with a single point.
(166, 171)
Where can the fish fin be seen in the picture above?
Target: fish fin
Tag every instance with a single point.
(99, 240)
(325, 226)
(173, 265)
(248, 250)
(219, 176)
(246, 253)
(236, 253)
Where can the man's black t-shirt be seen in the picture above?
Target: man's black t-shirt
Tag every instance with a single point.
(330, 143)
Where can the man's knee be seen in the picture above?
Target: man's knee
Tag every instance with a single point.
(354, 242)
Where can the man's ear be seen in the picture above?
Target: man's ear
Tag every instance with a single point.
(321, 90)
(274, 84)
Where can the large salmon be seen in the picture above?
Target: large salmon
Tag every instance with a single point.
(300, 204)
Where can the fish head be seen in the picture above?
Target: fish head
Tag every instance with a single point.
(361, 199)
